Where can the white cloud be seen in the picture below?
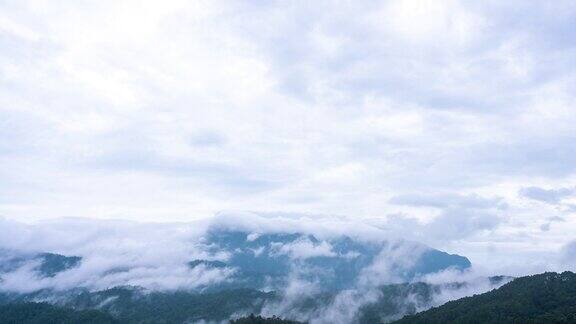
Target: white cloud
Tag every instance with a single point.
(428, 21)
(114, 253)
(172, 111)
(304, 249)
(155, 256)
(551, 196)
(568, 255)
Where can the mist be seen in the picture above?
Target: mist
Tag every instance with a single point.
(156, 257)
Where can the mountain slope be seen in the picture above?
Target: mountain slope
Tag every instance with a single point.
(261, 261)
(544, 298)
(253, 319)
(268, 260)
(294, 275)
(45, 264)
(136, 305)
(43, 313)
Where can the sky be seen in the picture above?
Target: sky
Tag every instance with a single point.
(448, 122)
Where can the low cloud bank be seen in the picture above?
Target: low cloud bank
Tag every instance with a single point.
(156, 257)
(113, 253)
(568, 255)
(381, 303)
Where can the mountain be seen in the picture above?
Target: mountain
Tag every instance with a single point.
(253, 319)
(37, 313)
(137, 305)
(45, 264)
(258, 273)
(40, 313)
(544, 298)
(271, 260)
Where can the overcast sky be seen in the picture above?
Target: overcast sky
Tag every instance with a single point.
(451, 120)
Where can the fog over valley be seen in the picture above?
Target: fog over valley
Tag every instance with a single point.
(287, 162)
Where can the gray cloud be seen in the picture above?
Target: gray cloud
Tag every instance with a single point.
(551, 196)
(173, 111)
(285, 94)
(449, 200)
(461, 223)
(154, 256)
(114, 253)
(568, 255)
(459, 216)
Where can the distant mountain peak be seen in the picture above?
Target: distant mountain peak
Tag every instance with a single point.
(48, 264)
(336, 263)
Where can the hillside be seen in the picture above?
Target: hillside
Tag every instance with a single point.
(544, 298)
(45, 264)
(43, 313)
(136, 305)
(255, 272)
(133, 305)
(259, 261)
(270, 260)
(253, 319)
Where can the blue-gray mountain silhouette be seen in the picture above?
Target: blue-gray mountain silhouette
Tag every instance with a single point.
(265, 260)
(48, 264)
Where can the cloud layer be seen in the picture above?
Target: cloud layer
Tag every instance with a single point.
(155, 257)
(442, 130)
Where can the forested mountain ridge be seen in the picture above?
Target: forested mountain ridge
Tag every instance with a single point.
(543, 298)
(45, 264)
(253, 319)
(269, 260)
(136, 305)
(256, 274)
(44, 313)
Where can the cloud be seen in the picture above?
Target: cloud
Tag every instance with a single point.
(304, 249)
(462, 224)
(156, 256)
(458, 216)
(451, 200)
(324, 108)
(173, 111)
(568, 254)
(151, 255)
(384, 268)
(473, 282)
(321, 226)
(550, 196)
(114, 253)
